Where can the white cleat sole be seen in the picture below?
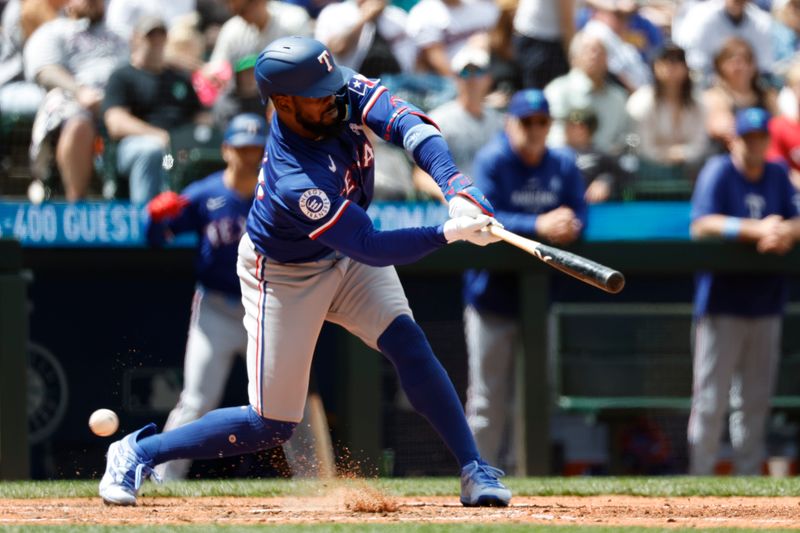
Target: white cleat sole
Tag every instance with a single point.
(117, 496)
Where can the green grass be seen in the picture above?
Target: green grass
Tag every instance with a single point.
(638, 486)
(661, 486)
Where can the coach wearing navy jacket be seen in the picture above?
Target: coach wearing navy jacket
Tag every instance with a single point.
(537, 192)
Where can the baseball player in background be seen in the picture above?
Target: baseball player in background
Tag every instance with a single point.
(739, 197)
(311, 254)
(537, 192)
(215, 208)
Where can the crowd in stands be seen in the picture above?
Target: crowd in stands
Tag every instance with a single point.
(643, 92)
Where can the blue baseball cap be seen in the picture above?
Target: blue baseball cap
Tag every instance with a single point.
(528, 102)
(752, 119)
(247, 129)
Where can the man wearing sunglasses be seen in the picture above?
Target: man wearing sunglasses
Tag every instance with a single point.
(537, 192)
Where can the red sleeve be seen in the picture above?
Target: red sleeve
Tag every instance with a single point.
(776, 150)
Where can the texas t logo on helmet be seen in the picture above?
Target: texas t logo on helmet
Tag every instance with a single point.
(291, 66)
(325, 57)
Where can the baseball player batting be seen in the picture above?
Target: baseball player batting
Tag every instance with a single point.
(311, 254)
(216, 208)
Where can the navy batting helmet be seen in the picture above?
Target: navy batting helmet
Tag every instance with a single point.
(299, 66)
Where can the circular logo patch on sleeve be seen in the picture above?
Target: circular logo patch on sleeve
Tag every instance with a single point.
(314, 204)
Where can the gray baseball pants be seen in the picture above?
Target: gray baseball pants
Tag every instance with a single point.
(735, 364)
(491, 344)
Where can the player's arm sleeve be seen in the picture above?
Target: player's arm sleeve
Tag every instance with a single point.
(405, 125)
(355, 236)
(706, 198)
(344, 226)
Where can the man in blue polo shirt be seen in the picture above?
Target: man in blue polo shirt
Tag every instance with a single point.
(536, 192)
(741, 197)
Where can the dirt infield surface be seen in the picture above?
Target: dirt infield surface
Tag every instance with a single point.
(370, 507)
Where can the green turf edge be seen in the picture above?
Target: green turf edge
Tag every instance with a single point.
(554, 486)
(367, 528)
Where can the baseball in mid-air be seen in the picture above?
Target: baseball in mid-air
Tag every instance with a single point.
(104, 422)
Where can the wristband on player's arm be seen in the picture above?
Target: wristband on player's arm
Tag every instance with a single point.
(731, 228)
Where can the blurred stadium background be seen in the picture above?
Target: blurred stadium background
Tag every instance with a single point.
(605, 389)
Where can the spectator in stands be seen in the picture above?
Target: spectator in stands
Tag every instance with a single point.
(537, 192)
(608, 23)
(669, 119)
(144, 101)
(467, 124)
(736, 86)
(785, 131)
(661, 14)
(603, 175)
(186, 46)
(312, 7)
(17, 96)
(241, 96)
(785, 33)
(503, 63)
(122, 15)
(34, 13)
(72, 59)
(543, 30)
(586, 86)
(638, 30)
(739, 197)
(708, 25)
(440, 28)
(255, 24)
(213, 14)
(369, 36)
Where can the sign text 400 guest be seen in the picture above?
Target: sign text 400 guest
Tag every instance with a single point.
(53, 224)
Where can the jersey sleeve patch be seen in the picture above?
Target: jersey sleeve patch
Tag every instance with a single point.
(314, 204)
(360, 84)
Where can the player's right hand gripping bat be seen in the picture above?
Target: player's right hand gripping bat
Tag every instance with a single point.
(587, 271)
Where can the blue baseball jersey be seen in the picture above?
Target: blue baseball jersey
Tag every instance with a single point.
(519, 193)
(305, 186)
(721, 189)
(218, 216)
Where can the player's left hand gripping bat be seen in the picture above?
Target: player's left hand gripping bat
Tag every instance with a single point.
(587, 271)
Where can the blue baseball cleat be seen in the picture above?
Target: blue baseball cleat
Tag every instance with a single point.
(480, 487)
(126, 469)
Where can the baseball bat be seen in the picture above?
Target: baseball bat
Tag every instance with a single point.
(578, 267)
(323, 447)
